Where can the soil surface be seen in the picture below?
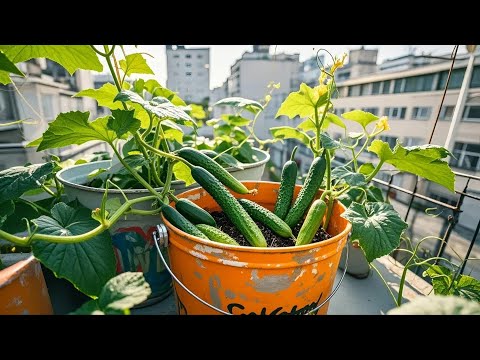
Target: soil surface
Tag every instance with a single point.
(273, 240)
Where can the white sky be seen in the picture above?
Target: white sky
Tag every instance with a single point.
(222, 57)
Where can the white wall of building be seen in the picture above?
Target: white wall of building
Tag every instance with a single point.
(188, 72)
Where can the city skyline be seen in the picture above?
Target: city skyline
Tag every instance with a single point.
(222, 57)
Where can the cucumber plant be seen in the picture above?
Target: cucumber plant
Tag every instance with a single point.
(376, 225)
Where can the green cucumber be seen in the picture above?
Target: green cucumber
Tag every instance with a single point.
(312, 222)
(216, 235)
(308, 191)
(267, 218)
(230, 206)
(197, 158)
(179, 221)
(287, 186)
(194, 213)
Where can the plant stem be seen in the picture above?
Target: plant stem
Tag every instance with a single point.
(162, 153)
(136, 175)
(375, 171)
(385, 282)
(25, 241)
(112, 71)
(48, 191)
(317, 135)
(168, 180)
(36, 206)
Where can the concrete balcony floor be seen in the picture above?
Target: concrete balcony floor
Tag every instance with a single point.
(367, 296)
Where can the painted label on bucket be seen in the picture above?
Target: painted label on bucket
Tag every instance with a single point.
(135, 251)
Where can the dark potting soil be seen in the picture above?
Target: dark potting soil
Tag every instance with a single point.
(273, 240)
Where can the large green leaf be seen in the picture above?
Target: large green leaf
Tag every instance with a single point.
(287, 132)
(159, 106)
(424, 161)
(154, 88)
(7, 67)
(303, 102)
(235, 120)
(437, 305)
(74, 128)
(328, 142)
(346, 174)
(16, 222)
(104, 96)
(71, 57)
(172, 131)
(135, 64)
(331, 118)
(249, 105)
(19, 179)
(362, 117)
(307, 125)
(444, 284)
(377, 226)
(183, 172)
(118, 295)
(6, 209)
(123, 122)
(124, 291)
(87, 265)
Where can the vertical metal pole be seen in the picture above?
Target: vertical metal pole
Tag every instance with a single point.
(474, 239)
(462, 98)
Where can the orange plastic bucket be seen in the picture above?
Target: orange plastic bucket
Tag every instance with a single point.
(249, 280)
(23, 290)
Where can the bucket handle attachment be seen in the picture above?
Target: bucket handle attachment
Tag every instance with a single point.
(160, 238)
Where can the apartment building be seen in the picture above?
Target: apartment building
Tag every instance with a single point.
(188, 72)
(409, 90)
(41, 96)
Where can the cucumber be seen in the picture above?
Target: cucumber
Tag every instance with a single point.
(179, 221)
(312, 222)
(309, 189)
(287, 186)
(197, 158)
(194, 213)
(267, 218)
(236, 164)
(230, 206)
(216, 235)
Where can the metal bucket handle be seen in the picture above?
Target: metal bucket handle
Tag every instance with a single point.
(160, 237)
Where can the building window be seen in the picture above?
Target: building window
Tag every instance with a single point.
(399, 86)
(386, 87)
(471, 113)
(373, 110)
(391, 140)
(395, 113)
(188, 56)
(456, 79)
(475, 82)
(199, 56)
(446, 113)
(176, 56)
(6, 108)
(354, 90)
(466, 156)
(188, 74)
(47, 106)
(188, 65)
(421, 113)
(376, 88)
(338, 111)
(365, 89)
(419, 83)
(412, 141)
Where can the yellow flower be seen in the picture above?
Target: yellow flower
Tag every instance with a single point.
(338, 63)
(268, 98)
(323, 76)
(318, 91)
(382, 123)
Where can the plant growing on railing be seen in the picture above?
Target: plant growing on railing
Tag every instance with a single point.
(376, 225)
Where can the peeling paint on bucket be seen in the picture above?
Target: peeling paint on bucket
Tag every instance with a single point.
(248, 280)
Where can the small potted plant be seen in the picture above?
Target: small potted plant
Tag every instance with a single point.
(240, 267)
